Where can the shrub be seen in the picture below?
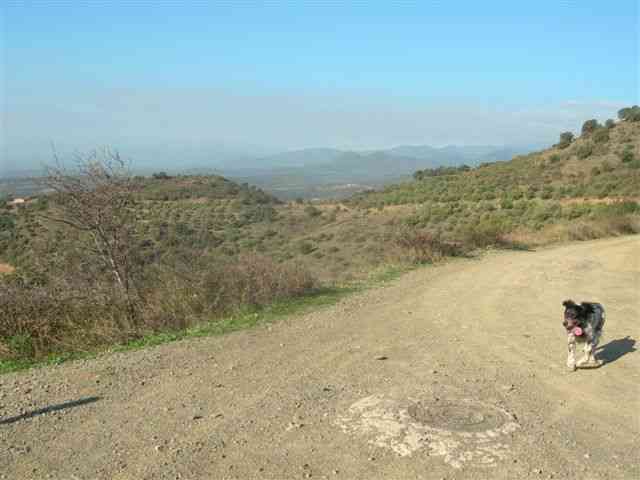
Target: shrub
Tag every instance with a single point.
(306, 248)
(631, 114)
(488, 232)
(627, 155)
(590, 126)
(312, 211)
(610, 123)
(602, 227)
(506, 204)
(584, 151)
(547, 192)
(252, 280)
(635, 164)
(39, 319)
(620, 208)
(424, 246)
(565, 140)
(7, 222)
(161, 176)
(601, 135)
(607, 167)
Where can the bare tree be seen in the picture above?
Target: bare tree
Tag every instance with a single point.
(96, 196)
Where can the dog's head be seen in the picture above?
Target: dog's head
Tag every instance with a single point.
(574, 315)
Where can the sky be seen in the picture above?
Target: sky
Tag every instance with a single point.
(258, 77)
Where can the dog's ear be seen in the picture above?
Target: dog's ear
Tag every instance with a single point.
(568, 303)
(587, 307)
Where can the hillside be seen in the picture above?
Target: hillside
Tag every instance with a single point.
(530, 191)
(329, 173)
(200, 248)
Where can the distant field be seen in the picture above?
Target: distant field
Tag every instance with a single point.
(20, 187)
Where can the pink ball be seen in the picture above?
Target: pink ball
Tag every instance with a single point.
(577, 331)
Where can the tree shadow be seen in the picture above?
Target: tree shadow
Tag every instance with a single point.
(49, 408)
(612, 351)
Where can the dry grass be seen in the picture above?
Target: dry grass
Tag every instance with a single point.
(426, 247)
(578, 230)
(39, 320)
(253, 280)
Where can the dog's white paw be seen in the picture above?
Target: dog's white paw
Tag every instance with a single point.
(572, 366)
(590, 363)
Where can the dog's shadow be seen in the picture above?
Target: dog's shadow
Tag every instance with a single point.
(612, 351)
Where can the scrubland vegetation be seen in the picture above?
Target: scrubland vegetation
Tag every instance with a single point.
(110, 258)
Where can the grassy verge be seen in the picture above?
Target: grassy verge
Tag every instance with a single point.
(248, 318)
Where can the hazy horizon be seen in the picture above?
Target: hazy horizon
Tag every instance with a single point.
(255, 79)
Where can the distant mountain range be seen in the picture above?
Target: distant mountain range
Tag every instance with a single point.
(309, 172)
(433, 156)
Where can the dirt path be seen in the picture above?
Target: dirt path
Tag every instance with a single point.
(452, 372)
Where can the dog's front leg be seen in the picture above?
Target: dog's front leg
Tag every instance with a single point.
(589, 354)
(586, 360)
(571, 358)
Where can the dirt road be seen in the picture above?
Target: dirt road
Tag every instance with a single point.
(454, 372)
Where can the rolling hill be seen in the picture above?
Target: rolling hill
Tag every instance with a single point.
(205, 246)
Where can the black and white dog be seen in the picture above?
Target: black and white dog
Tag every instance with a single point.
(584, 324)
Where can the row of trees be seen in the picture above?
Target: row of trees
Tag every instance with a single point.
(630, 114)
(600, 132)
(440, 171)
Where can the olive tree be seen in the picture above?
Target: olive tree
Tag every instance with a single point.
(565, 140)
(590, 126)
(630, 114)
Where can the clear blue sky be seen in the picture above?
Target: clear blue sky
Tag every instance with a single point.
(319, 64)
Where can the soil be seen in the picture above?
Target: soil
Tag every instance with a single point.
(6, 268)
(450, 372)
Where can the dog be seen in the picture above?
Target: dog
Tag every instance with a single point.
(584, 324)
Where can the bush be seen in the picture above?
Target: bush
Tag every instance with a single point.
(607, 167)
(488, 232)
(7, 222)
(306, 248)
(627, 155)
(253, 280)
(312, 211)
(584, 151)
(424, 246)
(590, 126)
(565, 140)
(161, 176)
(601, 135)
(506, 204)
(42, 318)
(39, 319)
(603, 227)
(630, 114)
(610, 123)
(635, 164)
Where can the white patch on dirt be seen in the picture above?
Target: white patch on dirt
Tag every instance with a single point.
(387, 423)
